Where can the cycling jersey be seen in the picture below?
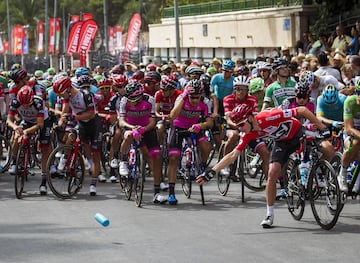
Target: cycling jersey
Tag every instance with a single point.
(276, 124)
(31, 113)
(276, 93)
(104, 102)
(222, 87)
(291, 103)
(333, 111)
(231, 101)
(114, 104)
(189, 114)
(139, 114)
(352, 110)
(81, 103)
(166, 103)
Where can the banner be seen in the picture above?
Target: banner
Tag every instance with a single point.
(2, 48)
(111, 40)
(7, 46)
(25, 42)
(54, 41)
(86, 16)
(18, 38)
(74, 36)
(118, 30)
(133, 32)
(87, 35)
(74, 18)
(40, 37)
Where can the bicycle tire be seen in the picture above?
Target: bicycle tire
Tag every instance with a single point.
(295, 191)
(186, 183)
(325, 201)
(65, 184)
(5, 154)
(253, 178)
(223, 182)
(21, 170)
(139, 181)
(105, 153)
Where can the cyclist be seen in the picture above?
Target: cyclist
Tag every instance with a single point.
(276, 124)
(264, 71)
(81, 103)
(34, 117)
(189, 115)
(241, 88)
(20, 78)
(151, 82)
(282, 88)
(137, 117)
(352, 135)
(257, 89)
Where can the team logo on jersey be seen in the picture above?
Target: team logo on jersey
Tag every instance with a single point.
(271, 118)
(287, 113)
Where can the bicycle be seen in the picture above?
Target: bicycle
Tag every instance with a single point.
(246, 169)
(66, 181)
(193, 166)
(5, 154)
(23, 163)
(134, 182)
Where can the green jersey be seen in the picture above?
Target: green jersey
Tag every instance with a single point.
(276, 93)
(352, 110)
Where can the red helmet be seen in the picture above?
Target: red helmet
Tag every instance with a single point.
(138, 76)
(169, 82)
(105, 82)
(240, 113)
(25, 95)
(61, 85)
(151, 67)
(119, 81)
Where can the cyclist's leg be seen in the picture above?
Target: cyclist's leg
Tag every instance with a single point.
(205, 148)
(124, 150)
(45, 148)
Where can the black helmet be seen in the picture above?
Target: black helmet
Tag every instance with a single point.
(134, 90)
(195, 86)
(279, 62)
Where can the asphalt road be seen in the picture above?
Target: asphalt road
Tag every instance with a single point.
(45, 229)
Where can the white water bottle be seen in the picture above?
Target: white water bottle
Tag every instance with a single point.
(356, 188)
(304, 172)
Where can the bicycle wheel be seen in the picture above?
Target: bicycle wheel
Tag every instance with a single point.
(21, 170)
(253, 176)
(105, 153)
(5, 154)
(325, 201)
(138, 185)
(67, 182)
(295, 191)
(186, 183)
(223, 182)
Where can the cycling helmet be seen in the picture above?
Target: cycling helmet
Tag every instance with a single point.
(81, 71)
(195, 86)
(40, 86)
(243, 70)
(211, 70)
(152, 77)
(262, 65)
(151, 67)
(241, 80)
(18, 75)
(302, 90)
(51, 71)
(307, 77)
(169, 82)
(104, 82)
(25, 95)
(228, 64)
(118, 69)
(61, 84)
(15, 66)
(119, 81)
(357, 84)
(256, 85)
(240, 113)
(138, 76)
(330, 94)
(279, 62)
(193, 70)
(84, 81)
(38, 73)
(134, 90)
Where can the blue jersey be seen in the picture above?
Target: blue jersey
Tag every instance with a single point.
(331, 111)
(221, 87)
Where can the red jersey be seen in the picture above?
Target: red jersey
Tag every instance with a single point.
(166, 103)
(102, 104)
(231, 101)
(279, 125)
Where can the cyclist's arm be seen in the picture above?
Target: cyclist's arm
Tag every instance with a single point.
(158, 110)
(216, 105)
(124, 124)
(39, 125)
(265, 105)
(177, 108)
(229, 122)
(305, 113)
(227, 160)
(350, 129)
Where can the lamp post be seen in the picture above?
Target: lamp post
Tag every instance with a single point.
(8, 25)
(2, 33)
(177, 33)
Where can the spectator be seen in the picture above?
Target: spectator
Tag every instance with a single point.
(355, 64)
(325, 68)
(341, 39)
(352, 47)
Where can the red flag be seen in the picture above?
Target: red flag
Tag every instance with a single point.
(54, 35)
(118, 30)
(74, 18)
(111, 39)
(86, 16)
(74, 35)
(18, 38)
(87, 35)
(2, 48)
(40, 37)
(133, 31)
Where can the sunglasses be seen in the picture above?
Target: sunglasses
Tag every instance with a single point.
(227, 70)
(195, 97)
(302, 96)
(241, 89)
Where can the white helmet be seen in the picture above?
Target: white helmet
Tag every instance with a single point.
(241, 80)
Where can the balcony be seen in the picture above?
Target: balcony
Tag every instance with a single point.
(230, 6)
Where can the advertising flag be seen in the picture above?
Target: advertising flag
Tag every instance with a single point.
(74, 36)
(133, 32)
(86, 16)
(18, 38)
(111, 40)
(54, 41)
(87, 35)
(40, 37)
(118, 30)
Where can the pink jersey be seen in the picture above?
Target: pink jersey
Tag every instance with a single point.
(275, 124)
(190, 114)
(139, 114)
